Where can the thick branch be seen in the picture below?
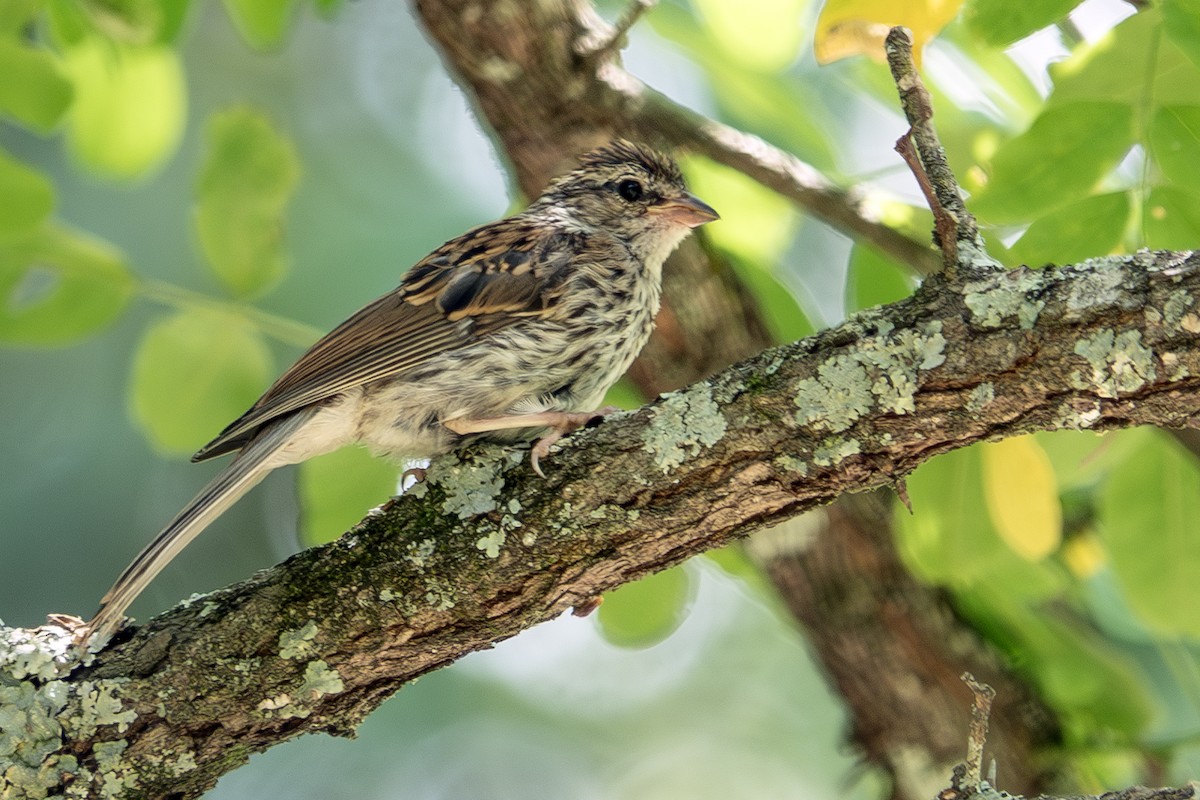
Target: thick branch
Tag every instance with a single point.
(487, 549)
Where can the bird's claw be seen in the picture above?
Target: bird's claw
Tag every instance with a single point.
(569, 422)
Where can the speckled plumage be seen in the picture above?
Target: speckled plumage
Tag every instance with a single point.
(513, 328)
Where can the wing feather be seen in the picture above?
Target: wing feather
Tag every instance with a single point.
(469, 287)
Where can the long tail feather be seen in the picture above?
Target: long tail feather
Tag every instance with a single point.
(243, 474)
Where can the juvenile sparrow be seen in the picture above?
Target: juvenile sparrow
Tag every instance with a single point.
(514, 329)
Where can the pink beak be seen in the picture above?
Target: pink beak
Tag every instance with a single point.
(687, 210)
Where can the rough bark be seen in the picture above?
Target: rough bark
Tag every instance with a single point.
(485, 549)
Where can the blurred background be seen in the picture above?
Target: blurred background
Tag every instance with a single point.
(191, 193)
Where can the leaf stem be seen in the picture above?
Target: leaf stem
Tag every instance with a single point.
(282, 329)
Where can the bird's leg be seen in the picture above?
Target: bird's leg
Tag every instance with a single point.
(560, 424)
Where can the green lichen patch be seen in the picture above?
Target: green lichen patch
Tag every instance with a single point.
(1176, 307)
(99, 703)
(792, 464)
(1099, 283)
(683, 424)
(837, 397)
(172, 763)
(298, 643)
(492, 543)
(832, 451)
(319, 680)
(114, 782)
(980, 396)
(40, 654)
(440, 595)
(20, 781)
(882, 370)
(1069, 417)
(1119, 363)
(418, 553)
(29, 726)
(1015, 295)
(470, 479)
(1176, 369)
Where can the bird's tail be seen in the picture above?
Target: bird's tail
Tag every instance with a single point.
(245, 472)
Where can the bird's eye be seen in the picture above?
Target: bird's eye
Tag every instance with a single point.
(630, 189)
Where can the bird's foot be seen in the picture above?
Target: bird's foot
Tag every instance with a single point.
(560, 424)
(568, 422)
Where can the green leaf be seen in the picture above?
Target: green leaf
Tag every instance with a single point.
(130, 105)
(756, 223)
(329, 7)
(35, 89)
(1067, 150)
(1086, 680)
(1172, 219)
(1149, 506)
(125, 22)
(58, 286)
(645, 612)
(262, 23)
(1107, 70)
(763, 35)
(26, 197)
(785, 319)
(338, 489)
(873, 279)
(14, 14)
(69, 23)
(1175, 143)
(248, 177)
(775, 106)
(949, 539)
(193, 373)
(1181, 21)
(624, 394)
(1081, 458)
(1001, 22)
(1093, 226)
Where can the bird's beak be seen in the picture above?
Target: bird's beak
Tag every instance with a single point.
(687, 210)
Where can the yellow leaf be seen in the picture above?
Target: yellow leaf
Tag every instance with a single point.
(1084, 555)
(858, 27)
(1021, 492)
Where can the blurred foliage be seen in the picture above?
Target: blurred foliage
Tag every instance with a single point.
(248, 176)
(1075, 127)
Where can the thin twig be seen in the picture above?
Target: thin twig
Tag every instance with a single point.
(615, 41)
(956, 229)
(981, 708)
(945, 225)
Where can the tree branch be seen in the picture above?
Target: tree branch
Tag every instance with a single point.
(565, 103)
(484, 549)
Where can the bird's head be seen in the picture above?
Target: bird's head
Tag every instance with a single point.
(630, 191)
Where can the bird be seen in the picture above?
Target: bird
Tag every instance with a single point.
(512, 331)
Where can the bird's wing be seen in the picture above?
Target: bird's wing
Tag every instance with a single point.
(469, 287)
